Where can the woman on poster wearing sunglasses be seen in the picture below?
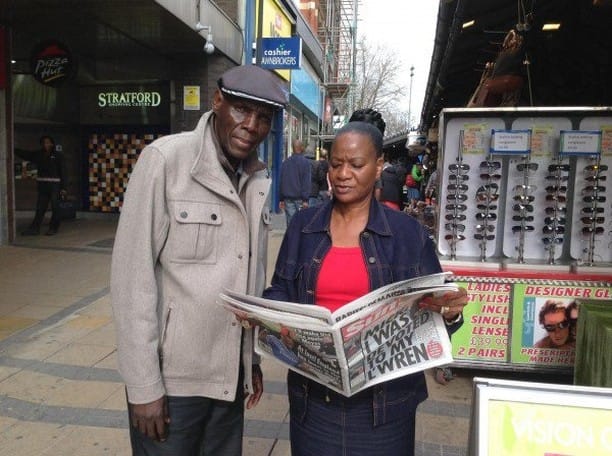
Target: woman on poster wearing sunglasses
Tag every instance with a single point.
(554, 319)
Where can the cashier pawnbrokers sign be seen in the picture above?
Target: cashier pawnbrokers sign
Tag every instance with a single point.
(281, 53)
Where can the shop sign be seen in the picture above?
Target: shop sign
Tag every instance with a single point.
(51, 63)
(129, 99)
(580, 142)
(511, 142)
(281, 53)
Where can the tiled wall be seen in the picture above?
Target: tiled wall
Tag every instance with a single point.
(111, 160)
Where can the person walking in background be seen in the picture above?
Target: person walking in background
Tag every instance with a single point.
(323, 168)
(391, 191)
(193, 223)
(49, 184)
(368, 245)
(313, 198)
(295, 181)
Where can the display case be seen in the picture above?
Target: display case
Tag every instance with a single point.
(524, 218)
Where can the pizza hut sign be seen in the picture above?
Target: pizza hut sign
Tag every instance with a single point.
(51, 63)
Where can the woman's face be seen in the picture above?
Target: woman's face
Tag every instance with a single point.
(557, 327)
(353, 168)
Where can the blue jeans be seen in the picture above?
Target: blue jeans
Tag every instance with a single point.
(198, 426)
(326, 423)
(292, 206)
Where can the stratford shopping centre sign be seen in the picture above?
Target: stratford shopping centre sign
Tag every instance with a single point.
(128, 99)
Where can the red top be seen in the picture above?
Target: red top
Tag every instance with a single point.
(343, 277)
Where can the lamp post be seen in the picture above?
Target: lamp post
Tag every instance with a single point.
(410, 97)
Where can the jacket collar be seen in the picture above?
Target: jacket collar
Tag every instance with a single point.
(377, 219)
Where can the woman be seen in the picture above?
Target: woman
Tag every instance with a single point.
(354, 236)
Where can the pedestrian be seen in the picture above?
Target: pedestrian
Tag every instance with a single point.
(367, 245)
(324, 193)
(313, 197)
(193, 223)
(295, 181)
(49, 184)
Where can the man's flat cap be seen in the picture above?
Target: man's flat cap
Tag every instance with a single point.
(254, 83)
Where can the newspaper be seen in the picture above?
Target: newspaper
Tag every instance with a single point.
(377, 337)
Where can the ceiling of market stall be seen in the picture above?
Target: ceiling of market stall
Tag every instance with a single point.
(568, 67)
(112, 30)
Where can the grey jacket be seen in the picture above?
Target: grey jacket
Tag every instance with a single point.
(184, 236)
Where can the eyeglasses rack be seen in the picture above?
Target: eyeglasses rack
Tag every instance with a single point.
(556, 196)
(523, 205)
(592, 212)
(487, 196)
(456, 197)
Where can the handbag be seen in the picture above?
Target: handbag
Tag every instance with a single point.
(66, 208)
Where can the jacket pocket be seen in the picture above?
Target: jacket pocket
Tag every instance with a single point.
(194, 232)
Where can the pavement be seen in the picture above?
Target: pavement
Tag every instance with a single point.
(60, 392)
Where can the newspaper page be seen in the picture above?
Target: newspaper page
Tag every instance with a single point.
(378, 337)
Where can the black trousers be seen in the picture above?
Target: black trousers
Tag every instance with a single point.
(48, 192)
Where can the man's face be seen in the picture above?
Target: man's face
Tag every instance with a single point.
(557, 327)
(241, 125)
(47, 144)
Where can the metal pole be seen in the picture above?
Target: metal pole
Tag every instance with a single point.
(410, 98)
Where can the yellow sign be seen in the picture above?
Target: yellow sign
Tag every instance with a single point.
(191, 98)
(274, 24)
(528, 429)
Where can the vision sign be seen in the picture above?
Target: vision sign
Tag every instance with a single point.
(51, 63)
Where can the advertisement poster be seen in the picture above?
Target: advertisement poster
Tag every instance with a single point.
(528, 429)
(484, 335)
(545, 318)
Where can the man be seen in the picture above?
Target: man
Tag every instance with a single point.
(313, 197)
(193, 223)
(554, 319)
(49, 184)
(295, 181)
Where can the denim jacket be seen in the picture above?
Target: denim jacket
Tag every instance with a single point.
(395, 247)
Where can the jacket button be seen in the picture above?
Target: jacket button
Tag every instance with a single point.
(240, 256)
(225, 392)
(213, 216)
(371, 260)
(366, 234)
(183, 214)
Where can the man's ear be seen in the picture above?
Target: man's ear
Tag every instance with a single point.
(217, 100)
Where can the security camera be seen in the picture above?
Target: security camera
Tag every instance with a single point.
(209, 48)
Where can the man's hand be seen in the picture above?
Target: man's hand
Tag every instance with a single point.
(253, 399)
(151, 419)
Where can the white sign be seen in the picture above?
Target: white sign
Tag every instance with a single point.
(580, 142)
(511, 141)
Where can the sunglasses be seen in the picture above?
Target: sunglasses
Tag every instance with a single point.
(527, 166)
(553, 240)
(593, 229)
(594, 198)
(460, 197)
(490, 177)
(455, 226)
(490, 228)
(557, 177)
(592, 219)
(484, 207)
(592, 210)
(519, 228)
(455, 207)
(556, 188)
(458, 177)
(555, 210)
(457, 187)
(458, 167)
(456, 237)
(485, 237)
(525, 188)
(523, 198)
(457, 217)
(561, 325)
(594, 188)
(595, 178)
(596, 168)
(560, 198)
(523, 207)
(486, 216)
(553, 229)
(522, 218)
(490, 165)
(558, 220)
(557, 167)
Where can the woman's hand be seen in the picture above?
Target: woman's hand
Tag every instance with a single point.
(449, 305)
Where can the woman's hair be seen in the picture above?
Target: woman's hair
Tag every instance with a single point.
(370, 116)
(550, 306)
(366, 129)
